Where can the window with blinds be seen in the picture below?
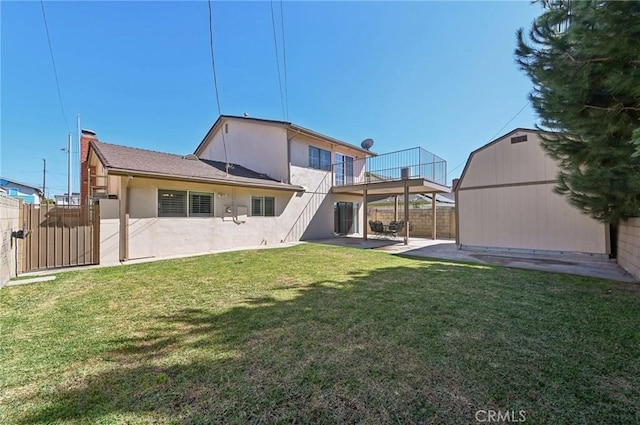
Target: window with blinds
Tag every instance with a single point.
(172, 203)
(200, 204)
(182, 203)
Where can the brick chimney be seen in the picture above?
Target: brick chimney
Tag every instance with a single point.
(85, 180)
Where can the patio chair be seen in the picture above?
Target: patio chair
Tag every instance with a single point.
(372, 226)
(378, 228)
(392, 228)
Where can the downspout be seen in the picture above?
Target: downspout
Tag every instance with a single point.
(289, 139)
(457, 220)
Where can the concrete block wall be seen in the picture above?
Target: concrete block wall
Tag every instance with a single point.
(629, 246)
(421, 220)
(9, 221)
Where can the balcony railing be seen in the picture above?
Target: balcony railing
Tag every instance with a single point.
(406, 164)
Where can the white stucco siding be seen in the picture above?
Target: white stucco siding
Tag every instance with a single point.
(299, 153)
(257, 146)
(143, 196)
(109, 241)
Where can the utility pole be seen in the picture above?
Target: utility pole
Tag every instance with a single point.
(44, 178)
(69, 169)
(79, 151)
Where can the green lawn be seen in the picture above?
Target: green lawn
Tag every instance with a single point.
(318, 334)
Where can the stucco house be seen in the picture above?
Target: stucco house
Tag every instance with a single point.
(249, 182)
(505, 200)
(26, 192)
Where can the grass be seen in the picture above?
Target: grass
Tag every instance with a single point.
(318, 334)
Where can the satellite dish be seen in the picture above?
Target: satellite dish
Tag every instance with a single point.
(366, 144)
(191, 157)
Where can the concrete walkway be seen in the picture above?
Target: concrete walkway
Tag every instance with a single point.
(440, 249)
(582, 265)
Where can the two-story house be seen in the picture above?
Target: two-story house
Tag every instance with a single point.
(250, 182)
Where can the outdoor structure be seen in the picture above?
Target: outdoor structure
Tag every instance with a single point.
(505, 200)
(250, 182)
(26, 192)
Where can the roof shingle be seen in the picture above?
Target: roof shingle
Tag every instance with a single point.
(142, 161)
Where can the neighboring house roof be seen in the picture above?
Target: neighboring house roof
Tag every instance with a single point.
(124, 160)
(4, 181)
(285, 124)
(493, 142)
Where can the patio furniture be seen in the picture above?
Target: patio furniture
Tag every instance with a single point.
(377, 227)
(392, 228)
(399, 228)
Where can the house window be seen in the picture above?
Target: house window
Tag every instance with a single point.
(174, 203)
(319, 158)
(200, 204)
(263, 206)
(343, 169)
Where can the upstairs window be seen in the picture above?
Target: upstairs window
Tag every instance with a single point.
(319, 158)
(264, 206)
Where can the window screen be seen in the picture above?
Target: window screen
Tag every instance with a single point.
(172, 203)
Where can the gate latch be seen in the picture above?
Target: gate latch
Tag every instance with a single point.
(20, 234)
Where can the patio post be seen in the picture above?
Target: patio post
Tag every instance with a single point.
(365, 214)
(395, 207)
(406, 213)
(433, 215)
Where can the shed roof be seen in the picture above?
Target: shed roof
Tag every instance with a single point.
(491, 143)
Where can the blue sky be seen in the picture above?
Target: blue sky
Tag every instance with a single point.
(440, 75)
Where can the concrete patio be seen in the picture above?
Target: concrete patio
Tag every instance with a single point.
(445, 249)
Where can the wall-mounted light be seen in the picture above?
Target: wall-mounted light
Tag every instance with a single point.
(222, 195)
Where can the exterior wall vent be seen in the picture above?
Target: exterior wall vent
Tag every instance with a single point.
(518, 139)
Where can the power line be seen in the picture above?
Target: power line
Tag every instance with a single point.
(284, 61)
(215, 82)
(494, 136)
(275, 43)
(53, 62)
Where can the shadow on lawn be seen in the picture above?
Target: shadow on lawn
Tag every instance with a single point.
(394, 345)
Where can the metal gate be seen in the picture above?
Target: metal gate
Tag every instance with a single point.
(60, 236)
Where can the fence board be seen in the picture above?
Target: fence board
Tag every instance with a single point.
(60, 236)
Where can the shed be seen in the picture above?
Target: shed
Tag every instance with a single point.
(505, 201)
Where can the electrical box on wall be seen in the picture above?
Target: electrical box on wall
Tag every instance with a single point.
(236, 213)
(241, 214)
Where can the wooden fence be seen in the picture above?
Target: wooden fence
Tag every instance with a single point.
(60, 236)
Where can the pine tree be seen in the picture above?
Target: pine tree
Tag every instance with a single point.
(583, 58)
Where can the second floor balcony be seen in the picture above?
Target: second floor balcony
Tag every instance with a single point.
(409, 164)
